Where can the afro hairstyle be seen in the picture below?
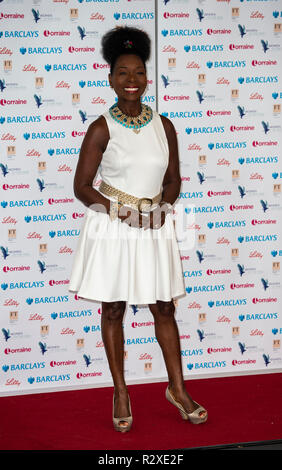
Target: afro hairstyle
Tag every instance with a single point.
(125, 40)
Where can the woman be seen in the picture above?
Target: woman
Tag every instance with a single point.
(127, 250)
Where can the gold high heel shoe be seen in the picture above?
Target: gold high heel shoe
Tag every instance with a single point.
(194, 417)
(128, 419)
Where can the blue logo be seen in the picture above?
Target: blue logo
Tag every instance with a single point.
(266, 359)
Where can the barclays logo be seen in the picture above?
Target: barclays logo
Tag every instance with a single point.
(44, 135)
(19, 34)
(94, 83)
(191, 352)
(258, 316)
(205, 130)
(256, 160)
(41, 50)
(65, 67)
(206, 48)
(227, 145)
(257, 238)
(227, 224)
(71, 314)
(27, 366)
(258, 79)
(227, 64)
(134, 16)
(49, 378)
(207, 365)
(182, 32)
(20, 119)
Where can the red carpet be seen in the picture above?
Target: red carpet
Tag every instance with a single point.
(241, 409)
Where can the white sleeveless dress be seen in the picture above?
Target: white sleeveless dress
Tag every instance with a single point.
(114, 261)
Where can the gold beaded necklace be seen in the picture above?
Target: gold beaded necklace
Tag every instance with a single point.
(132, 122)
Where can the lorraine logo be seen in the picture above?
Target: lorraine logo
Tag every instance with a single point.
(266, 359)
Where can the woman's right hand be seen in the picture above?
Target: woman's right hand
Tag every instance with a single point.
(154, 220)
(133, 217)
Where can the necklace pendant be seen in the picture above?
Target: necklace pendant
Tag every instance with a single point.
(136, 131)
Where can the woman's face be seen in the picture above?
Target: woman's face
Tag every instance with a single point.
(129, 78)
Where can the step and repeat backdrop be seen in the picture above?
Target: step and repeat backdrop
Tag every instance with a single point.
(214, 72)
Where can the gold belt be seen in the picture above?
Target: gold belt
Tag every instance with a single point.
(125, 198)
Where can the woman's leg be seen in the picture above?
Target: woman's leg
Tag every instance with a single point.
(113, 339)
(168, 338)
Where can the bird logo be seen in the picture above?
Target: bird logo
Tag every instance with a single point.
(242, 347)
(36, 15)
(43, 347)
(266, 359)
(82, 32)
(165, 80)
(201, 334)
(87, 360)
(200, 13)
(242, 30)
(2, 85)
(241, 269)
(264, 45)
(6, 334)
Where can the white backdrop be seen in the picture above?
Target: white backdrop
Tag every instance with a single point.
(214, 72)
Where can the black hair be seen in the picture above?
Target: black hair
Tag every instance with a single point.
(125, 40)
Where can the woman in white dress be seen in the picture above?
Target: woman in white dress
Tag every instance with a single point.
(127, 253)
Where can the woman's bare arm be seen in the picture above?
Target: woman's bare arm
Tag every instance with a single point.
(93, 146)
(172, 178)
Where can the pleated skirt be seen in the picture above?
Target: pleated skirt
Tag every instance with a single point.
(114, 261)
